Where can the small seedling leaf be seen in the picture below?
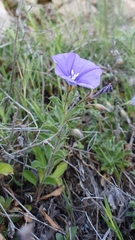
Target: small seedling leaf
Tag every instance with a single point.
(59, 236)
(6, 169)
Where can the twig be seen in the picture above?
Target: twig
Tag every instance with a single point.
(8, 216)
(44, 142)
(29, 214)
(23, 128)
(12, 224)
(92, 225)
(11, 215)
(85, 198)
(106, 234)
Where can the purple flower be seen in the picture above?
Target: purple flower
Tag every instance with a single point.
(132, 101)
(76, 70)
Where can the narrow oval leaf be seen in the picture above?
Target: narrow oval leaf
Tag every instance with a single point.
(37, 164)
(60, 169)
(7, 202)
(30, 177)
(59, 236)
(52, 181)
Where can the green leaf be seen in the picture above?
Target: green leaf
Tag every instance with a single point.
(73, 231)
(41, 174)
(30, 177)
(133, 225)
(109, 224)
(58, 113)
(60, 169)
(6, 169)
(130, 214)
(2, 200)
(17, 182)
(50, 121)
(59, 236)
(133, 172)
(48, 152)
(80, 146)
(132, 204)
(107, 208)
(37, 110)
(52, 181)
(7, 202)
(59, 156)
(55, 100)
(40, 155)
(37, 164)
(52, 128)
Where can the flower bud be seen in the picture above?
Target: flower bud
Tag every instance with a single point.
(119, 61)
(78, 133)
(100, 107)
(124, 114)
(106, 89)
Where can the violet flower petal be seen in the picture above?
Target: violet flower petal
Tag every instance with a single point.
(82, 65)
(76, 70)
(132, 101)
(90, 79)
(65, 62)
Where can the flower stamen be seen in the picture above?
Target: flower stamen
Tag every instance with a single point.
(73, 75)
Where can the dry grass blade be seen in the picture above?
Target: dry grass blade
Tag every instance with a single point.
(1, 237)
(55, 193)
(49, 220)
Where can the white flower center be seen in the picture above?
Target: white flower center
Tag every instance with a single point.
(73, 75)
